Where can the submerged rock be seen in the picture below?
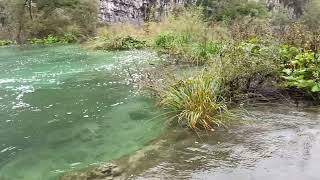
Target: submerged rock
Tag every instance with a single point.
(102, 172)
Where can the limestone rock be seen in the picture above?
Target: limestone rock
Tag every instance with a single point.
(136, 11)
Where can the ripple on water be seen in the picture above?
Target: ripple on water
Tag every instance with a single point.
(280, 142)
(5, 81)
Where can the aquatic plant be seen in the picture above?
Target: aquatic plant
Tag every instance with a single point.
(196, 102)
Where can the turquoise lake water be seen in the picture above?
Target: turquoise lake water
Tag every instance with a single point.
(64, 108)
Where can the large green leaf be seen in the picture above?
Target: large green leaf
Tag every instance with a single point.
(306, 83)
(316, 88)
(287, 71)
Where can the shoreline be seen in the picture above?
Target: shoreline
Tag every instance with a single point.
(133, 165)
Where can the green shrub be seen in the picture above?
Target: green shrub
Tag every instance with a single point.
(196, 102)
(184, 49)
(51, 39)
(171, 44)
(202, 52)
(69, 38)
(119, 43)
(168, 40)
(6, 42)
(44, 17)
(36, 41)
(301, 69)
(130, 42)
(186, 38)
(240, 64)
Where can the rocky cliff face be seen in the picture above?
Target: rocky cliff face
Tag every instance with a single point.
(136, 11)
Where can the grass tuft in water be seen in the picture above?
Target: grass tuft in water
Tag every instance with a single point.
(197, 102)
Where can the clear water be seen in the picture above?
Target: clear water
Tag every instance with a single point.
(277, 141)
(64, 108)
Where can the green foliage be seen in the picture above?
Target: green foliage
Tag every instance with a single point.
(240, 64)
(227, 10)
(119, 43)
(200, 102)
(129, 42)
(171, 43)
(183, 48)
(51, 39)
(6, 42)
(69, 38)
(42, 18)
(202, 52)
(197, 102)
(168, 40)
(119, 37)
(186, 38)
(301, 69)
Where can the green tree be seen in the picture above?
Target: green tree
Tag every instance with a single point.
(40, 18)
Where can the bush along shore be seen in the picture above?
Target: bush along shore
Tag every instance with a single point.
(49, 40)
(210, 66)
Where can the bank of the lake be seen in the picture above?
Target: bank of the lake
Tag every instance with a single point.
(275, 140)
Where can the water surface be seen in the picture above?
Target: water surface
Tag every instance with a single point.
(64, 108)
(277, 141)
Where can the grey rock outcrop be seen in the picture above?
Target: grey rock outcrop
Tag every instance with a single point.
(136, 11)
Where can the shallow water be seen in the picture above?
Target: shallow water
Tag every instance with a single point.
(277, 141)
(64, 108)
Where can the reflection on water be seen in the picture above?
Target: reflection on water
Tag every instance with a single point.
(64, 108)
(279, 142)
